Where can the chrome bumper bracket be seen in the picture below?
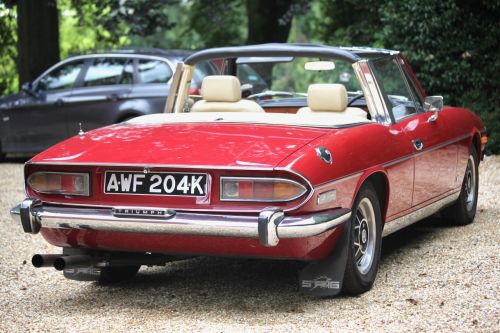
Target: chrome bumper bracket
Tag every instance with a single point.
(270, 226)
(24, 214)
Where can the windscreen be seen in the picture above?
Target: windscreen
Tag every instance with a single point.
(292, 78)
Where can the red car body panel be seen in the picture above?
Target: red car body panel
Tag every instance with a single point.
(359, 152)
(386, 153)
(310, 248)
(237, 145)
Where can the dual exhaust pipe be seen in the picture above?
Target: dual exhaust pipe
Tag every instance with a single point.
(81, 260)
(61, 262)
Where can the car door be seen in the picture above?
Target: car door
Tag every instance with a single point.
(433, 156)
(97, 99)
(36, 120)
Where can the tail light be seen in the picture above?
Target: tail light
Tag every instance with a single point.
(64, 183)
(260, 189)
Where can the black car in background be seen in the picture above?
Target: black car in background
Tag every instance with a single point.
(95, 90)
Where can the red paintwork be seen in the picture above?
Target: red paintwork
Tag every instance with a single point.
(413, 178)
(310, 248)
(226, 145)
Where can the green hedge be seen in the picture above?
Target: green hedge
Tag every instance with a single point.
(452, 46)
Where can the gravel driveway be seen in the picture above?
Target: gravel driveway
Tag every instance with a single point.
(432, 278)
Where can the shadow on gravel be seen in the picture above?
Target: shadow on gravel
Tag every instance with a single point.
(413, 236)
(234, 285)
(15, 160)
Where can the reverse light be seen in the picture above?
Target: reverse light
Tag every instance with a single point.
(260, 189)
(64, 183)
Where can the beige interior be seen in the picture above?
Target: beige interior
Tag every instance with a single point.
(329, 98)
(222, 93)
(314, 119)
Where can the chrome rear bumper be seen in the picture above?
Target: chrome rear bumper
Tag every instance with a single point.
(269, 226)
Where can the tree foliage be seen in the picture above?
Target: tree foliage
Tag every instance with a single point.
(452, 45)
(8, 49)
(220, 22)
(37, 34)
(454, 50)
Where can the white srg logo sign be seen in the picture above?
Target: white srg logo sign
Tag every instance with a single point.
(321, 282)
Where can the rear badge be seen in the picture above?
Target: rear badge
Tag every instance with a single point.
(142, 212)
(324, 154)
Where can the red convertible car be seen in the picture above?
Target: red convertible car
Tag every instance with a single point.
(342, 148)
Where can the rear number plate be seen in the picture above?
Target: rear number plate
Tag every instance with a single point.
(161, 183)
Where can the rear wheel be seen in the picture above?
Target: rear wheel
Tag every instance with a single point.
(365, 242)
(112, 275)
(463, 211)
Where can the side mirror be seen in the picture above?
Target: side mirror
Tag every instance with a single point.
(433, 104)
(28, 89)
(246, 90)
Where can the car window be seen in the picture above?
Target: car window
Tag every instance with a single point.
(128, 73)
(153, 71)
(107, 71)
(203, 69)
(292, 77)
(63, 77)
(390, 78)
(248, 75)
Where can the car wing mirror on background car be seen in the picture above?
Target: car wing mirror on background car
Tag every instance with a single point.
(246, 90)
(27, 88)
(433, 104)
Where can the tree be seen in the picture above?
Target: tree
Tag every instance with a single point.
(268, 21)
(348, 22)
(451, 44)
(8, 49)
(37, 37)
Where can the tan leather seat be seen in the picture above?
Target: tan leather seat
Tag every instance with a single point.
(329, 97)
(222, 93)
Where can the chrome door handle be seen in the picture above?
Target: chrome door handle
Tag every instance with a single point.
(418, 144)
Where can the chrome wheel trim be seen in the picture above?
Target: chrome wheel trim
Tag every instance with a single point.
(470, 184)
(364, 236)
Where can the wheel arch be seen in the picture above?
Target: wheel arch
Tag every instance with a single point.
(476, 142)
(380, 182)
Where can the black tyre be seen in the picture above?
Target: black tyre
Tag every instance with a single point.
(112, 275)
(365, 242)
(463, 211)
(2, 154)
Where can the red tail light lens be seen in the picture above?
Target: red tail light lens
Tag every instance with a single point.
(63, 183)
(260, 189)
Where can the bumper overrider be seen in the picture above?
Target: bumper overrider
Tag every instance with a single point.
(269, 226)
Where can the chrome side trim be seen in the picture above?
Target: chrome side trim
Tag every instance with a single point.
(150, 166)
(426, 211)
(271, 220)
(441, 145)
(342, 179)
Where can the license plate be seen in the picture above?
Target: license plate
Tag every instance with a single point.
(155, 183)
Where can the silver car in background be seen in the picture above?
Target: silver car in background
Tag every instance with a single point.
(95, 90)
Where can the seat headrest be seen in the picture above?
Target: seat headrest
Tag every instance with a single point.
(221, 88)
(327, 97)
